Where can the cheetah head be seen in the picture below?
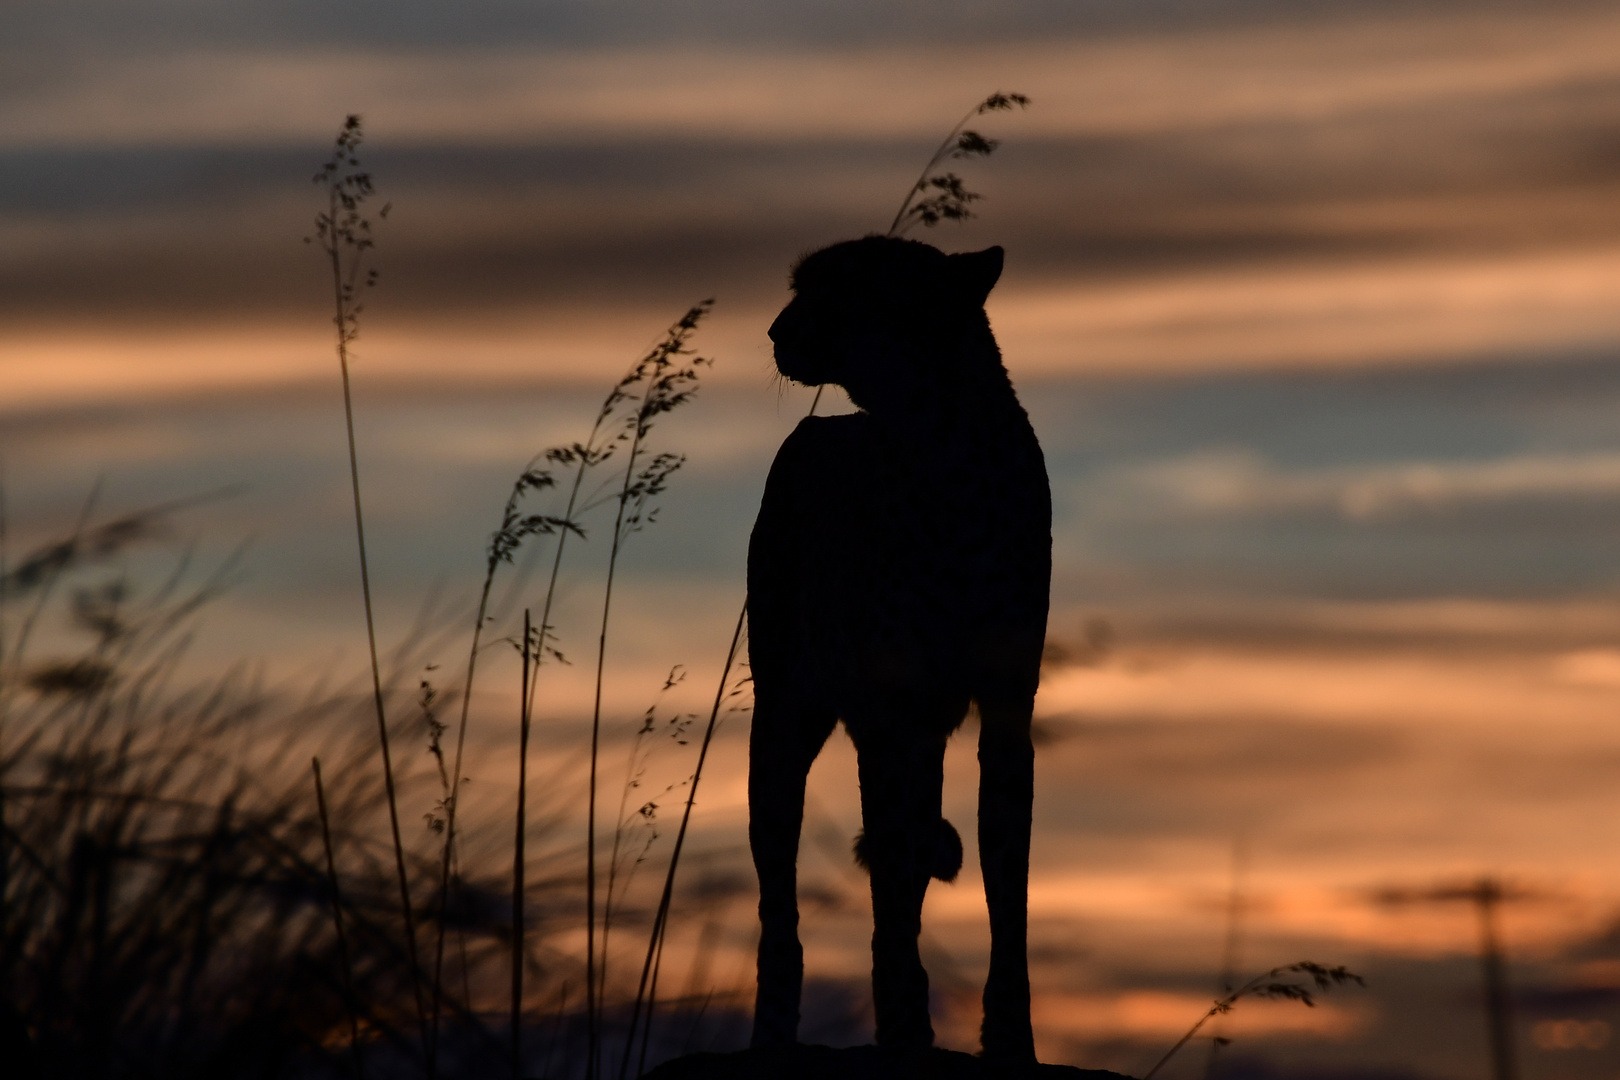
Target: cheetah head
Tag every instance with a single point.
(883, 317)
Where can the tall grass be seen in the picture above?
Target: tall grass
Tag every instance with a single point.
(658, 383)
(647, 987)
(635, 827)
(519, 849)
(5, 687)
(164, 906)
(176, 899)
(167, 910)
(344, 234)
(663, 384)
(337, 921)
(950, 198)
(1278, 984)
(515, 527)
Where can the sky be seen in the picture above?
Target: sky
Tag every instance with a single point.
(1315, 308)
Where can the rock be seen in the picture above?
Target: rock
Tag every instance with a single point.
(859, 1063)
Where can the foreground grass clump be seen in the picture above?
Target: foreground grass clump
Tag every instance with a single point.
(186, 894)
(163, 891)
(179, 898)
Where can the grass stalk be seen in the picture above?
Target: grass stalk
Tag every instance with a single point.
(517, 858)
(345, 239)
(593, 1001)
(514, 529)
(56, 567)
(5, 683)
(664, 390)
(582, 456)
(1274, 985)
(647, 990)
(635, 769)
(337, 921)
(534, 646)
(613, 875)
(952, 199)
(5, 590)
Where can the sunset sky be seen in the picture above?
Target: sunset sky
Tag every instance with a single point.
(1315, 308)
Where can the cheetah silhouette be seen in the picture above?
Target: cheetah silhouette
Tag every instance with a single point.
(898, 572)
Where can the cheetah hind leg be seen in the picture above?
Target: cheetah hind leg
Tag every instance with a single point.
(1006, 798)
(901, 780)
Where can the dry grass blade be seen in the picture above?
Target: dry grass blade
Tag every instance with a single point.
(514, 529)
(344, 234)
(1275, 985)
(950, 198)
(657, 384)
(646, 991)
(337, 922)
(168, 911)
(518, 854)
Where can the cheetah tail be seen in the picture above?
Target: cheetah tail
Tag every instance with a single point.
(944, 861)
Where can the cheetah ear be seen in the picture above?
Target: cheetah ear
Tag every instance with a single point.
(978, 271)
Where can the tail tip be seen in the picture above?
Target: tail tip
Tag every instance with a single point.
(944, 858)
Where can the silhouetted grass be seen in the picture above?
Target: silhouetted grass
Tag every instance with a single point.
(344, 234)
(657, 384)
(337, 920)
(647, 987)
(162, 899)
(178, 902)
(636, 824)
(1275, 985)
(514, 528)
(951, 197)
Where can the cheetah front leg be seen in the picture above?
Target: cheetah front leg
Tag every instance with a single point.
(785, 738)
(1006, 800)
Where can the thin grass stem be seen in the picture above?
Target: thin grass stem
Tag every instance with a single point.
(5, 682)
(517, 859)
(661, 919)
(592, 994)
(664, 391)
(953, 199)
(5, 590)
(515, 527)
(337, 234)
(587, 456)
(613, 868)
(337, 921)
(652, 1003)
(24, 632)
(382, 717)
(455, 786)
(1267, 985)
(922, 178)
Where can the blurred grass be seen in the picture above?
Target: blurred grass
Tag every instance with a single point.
(166, 906)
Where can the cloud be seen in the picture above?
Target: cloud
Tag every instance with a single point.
(1154, 1015)
(1240, 483)
(111, 26)
(1312, 72)
(1313, 312)
(1268, 193)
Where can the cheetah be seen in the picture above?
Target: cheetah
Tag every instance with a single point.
(898, 573)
